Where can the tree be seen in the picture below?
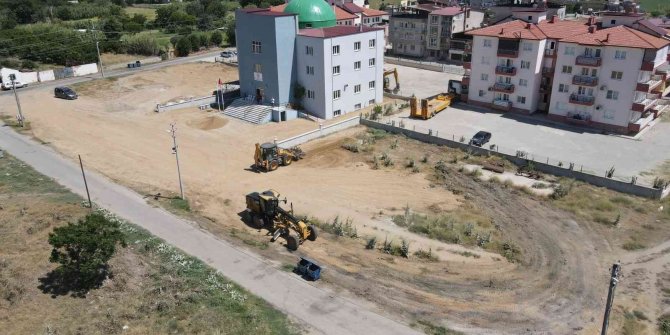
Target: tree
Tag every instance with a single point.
(183, 47)
(194, 41)
(112, 28)
(83, 249)
(230, 32)
(655, 13)
(216, 38)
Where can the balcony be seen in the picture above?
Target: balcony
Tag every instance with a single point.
(578, 118)
(645, 104)
(506, 70)
(549, 52)
(647, 65)
(647, 86)
(585, 60)
(580, 99)
(547, 71)
(545, 88)
(504, 105)
(508, 53)
(584, 80)
(503, 87)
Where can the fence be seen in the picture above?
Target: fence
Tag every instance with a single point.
(49, 75)
(551, 166)
(208, 100)
(320, 132)
(432, 66)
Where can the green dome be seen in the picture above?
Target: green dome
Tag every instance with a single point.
(312, 13)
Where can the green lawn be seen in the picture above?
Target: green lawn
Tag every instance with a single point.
(659, 5)
(375, 3)
(150, 13)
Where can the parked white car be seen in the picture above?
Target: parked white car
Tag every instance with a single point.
(7, 85)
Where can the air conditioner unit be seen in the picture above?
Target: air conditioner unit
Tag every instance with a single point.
(604, 87)
(599, 107)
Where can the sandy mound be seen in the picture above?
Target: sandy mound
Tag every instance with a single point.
(208, 123)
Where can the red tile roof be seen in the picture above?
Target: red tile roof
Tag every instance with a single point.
(448, 11)
(513, 29)
(373, 12)
(341, 14)
(352, 8)
(619, 36)
(265, 11)
(335, 31)
(561, 29)
(279, 8)
(652, 26)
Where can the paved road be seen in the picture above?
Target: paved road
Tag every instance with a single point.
(117, 72)
(309, 303)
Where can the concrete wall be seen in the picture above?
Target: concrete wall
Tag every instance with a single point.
(431, 66)
(319, 132)
(208, 100)
(85, 69)
(46, 75)
(613, 184)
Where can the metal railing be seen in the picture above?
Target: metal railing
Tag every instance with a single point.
(584, 80)
(582, 99)
(506, 70)
(508, 53)
(588, 60)
(504, 87)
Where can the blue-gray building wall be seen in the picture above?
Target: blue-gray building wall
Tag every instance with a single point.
(277, 37)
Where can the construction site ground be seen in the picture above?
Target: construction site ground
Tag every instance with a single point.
(544, 270)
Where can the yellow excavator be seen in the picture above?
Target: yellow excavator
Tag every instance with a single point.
(263, 211)
(387, 81)
(268, 156)
(430, 106)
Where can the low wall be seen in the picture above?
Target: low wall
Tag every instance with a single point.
(82, 70)
(453, 69)
(613, 184)
(46, 75)
(208, 100)
(320, 132)
(396, 96)
(144, 61)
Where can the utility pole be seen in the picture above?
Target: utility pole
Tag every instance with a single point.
(19, 118)
(175, 152)
(88, 195)
(614, 280)
(97, 48)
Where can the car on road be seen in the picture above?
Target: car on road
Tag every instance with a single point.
(480, 138)
(65, 93)
(7, 85)
(227, 54)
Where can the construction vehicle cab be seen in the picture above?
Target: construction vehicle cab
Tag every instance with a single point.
(269, 156)
(387, 81)
(264, 211)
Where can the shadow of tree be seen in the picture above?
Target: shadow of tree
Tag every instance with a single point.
(60, 282)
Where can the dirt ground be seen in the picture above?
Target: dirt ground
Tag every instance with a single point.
(557, 287)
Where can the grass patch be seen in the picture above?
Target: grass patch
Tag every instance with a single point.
(17, 177)
(426, 255)
(150, 13)
(467, 254)
(337, 227)
(432, 329)
(633, 245)
(632, 326)
(664, 324)
(180, 204)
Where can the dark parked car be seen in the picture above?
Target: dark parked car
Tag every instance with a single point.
(480, 138)
(65, 93)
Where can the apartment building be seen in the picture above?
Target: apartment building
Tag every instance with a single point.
(427, 30)
(574, 71)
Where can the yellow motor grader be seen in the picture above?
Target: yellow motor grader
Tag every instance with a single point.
(263, 211)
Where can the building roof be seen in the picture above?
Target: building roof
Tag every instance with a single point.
(312, 13)
(652, 26)
(373, 12)
(278, 8)
(448, 11)
(352, 8)
(530, 10)
(621, 36)
(560, 29)
(264, 11)
(341, 14)
(516, 29)
(336, 31)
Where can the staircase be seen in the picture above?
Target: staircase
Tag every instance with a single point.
(248, 111)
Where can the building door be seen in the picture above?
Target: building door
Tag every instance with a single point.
(259, 95)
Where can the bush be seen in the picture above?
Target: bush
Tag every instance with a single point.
(372, 242)
(141, 44)
(351, 147)
(560, 191)
(83, 249)
(183, 47)
(426, 255)
(216, 38)
(195, 42)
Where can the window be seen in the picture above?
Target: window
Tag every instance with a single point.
(309, 50)
(357, 106)
(481, 93)
(372, 43)
(310, 94)
(487, 43)
(357, 46)
(258, 68)
(336, 70)
(433, 19)
(433, 30)
(371, 85)
(357, 65)
(567, 69)
(371, 102)
(525, 64)
(336, 94)
(371, 62)
(569, 50)
(336, 49)
(357, 89)
(337, 112)
(619, 54)
(521, 100)
(563, 88)
(527, 46)
(612, 95)
(255, 47)
(310, 70)
(523, 82)
(433, 42)
(485, 60)
(485, 76)
(617, 75)
(613, 22)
